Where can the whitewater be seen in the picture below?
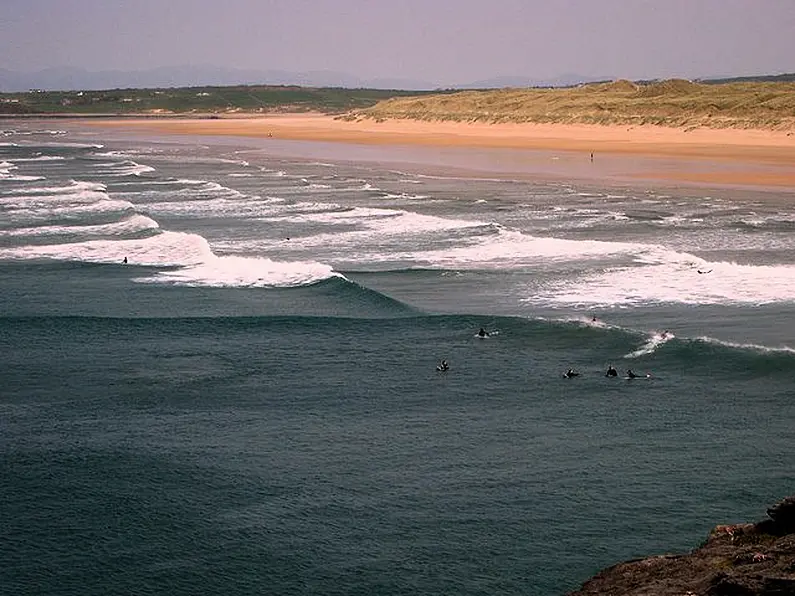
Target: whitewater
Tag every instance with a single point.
(220, 369)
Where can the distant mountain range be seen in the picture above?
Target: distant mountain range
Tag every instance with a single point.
(69, 79)
(566, 80)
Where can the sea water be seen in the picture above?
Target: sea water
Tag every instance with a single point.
(250, 404)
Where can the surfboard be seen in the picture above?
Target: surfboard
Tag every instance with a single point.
(488, 334)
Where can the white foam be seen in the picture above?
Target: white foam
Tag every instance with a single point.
(380, 234)
(125, 168)
(306, 212)
(6, 168)
(331, 213)
(233, 271)
(191, 181)
(32, 132)
(210, 207)
(198, 266)
(654, 341)
(20, 178)
(169, 182)
(134, 224)
(111, 153)
(214, 189)
(39, 158)
(74, 187)
(510, 249)
(192, 189)
(587, 322)
(163, 249)
(31, 201)
(753, 347)
(72, 145)
(410, 197)
(25, 213)
(670, 277)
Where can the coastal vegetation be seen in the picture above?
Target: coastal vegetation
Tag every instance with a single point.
(673, 103)
(767, 104)
(244, 99)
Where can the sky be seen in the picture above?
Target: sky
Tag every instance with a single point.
(441, 41)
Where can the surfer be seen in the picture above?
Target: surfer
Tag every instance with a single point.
(703, 272)
(570, 373)
(630, 374)
(611, 372)
(443, 366)
(125, 260)
(483, 333)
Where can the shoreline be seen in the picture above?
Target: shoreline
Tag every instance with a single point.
(713, 157)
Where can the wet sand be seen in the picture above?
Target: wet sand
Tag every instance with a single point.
(715, 157)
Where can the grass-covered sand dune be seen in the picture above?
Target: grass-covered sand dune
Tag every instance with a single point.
(673, 103)
(676, 103)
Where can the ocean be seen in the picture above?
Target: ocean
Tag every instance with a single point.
(250, 403)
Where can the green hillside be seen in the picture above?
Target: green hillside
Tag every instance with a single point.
(674, 103)
(204, 100)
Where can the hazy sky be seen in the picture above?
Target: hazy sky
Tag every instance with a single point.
(441, 41)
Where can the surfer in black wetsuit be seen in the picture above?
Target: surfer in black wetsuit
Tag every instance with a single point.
(611, 372)
(443, 366)
(125, 260)
(570, 373)
(483, 333)
(631, 374)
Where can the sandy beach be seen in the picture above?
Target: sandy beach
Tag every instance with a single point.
(750, 158)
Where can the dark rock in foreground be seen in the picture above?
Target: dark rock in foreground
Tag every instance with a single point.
(736, 560)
